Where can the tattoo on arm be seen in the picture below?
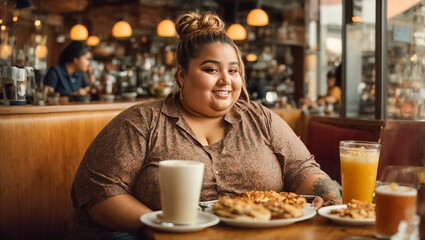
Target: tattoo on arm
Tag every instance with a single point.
(325, 186)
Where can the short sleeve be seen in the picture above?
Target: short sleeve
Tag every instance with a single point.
(336, 93)
(51, 79)
(296, 161)
(112, 163)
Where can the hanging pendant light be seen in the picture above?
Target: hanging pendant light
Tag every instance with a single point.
(236, 32)
(93, 40)
(166, 28)
(122, 29)
(5, 50)
(41, 51)
(78, 32)
(257, 17)
(251, 57)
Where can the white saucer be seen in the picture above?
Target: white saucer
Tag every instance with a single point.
(204, 220)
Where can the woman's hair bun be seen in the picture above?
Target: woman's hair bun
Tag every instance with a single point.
(196, 22)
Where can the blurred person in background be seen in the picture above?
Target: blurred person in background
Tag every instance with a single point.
(332, 96)
(67, 78)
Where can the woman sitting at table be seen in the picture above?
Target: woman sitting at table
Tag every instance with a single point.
(243, 145)
(67, 78)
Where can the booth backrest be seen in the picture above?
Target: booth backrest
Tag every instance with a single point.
(39, 155)
(402, 143)
(323, 141)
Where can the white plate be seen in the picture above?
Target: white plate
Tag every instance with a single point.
(324, 211)
(204, 220)
(309, 212)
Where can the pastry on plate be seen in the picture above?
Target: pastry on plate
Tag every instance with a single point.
(282, 210)
(286, 197)
(356, 210)
(241, 209)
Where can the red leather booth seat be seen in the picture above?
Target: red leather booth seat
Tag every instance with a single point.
(323, 142)
(402, 143)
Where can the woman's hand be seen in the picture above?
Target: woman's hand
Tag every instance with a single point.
(318, 202)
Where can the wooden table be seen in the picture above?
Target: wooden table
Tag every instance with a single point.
(316, 228)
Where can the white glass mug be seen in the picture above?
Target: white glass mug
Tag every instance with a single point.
(180, 184)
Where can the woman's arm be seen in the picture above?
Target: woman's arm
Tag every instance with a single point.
(121, 213)
(300, 171)
(323, 186)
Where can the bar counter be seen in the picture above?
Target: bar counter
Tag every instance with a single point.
(72, 107)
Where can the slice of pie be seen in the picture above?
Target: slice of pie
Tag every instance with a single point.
(240, 208)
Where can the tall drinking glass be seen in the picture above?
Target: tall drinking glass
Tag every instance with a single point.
(359, 167)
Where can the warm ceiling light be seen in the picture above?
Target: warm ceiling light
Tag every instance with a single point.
(37, 23)
(5, 51)
(93, 41)
(78, 32)
(236, 32)
(251, 57)
(257, 17)
(122, 29)
(15, 19)
(3, 27)
(41, 51)
(166, 28)
(357, 19)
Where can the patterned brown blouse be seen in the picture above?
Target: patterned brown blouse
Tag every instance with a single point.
(259, 152)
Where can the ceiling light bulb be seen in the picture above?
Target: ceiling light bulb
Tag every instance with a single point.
(122, 29)
(257, 17)
(251, 57)
(41, 51)
(78, 32)
(93, 41)
(166, 28)
(236, 32)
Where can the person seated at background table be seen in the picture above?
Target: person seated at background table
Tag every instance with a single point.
(67, 78)
(243, 145)
(332, 96)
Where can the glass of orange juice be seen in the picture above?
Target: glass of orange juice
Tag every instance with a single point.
(359, 166)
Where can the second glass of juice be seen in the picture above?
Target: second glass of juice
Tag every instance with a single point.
(359, 166)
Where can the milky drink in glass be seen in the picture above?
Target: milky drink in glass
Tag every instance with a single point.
(393, 203)
(180, 185)
(359, 166)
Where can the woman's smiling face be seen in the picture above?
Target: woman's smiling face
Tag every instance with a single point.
(212, 83)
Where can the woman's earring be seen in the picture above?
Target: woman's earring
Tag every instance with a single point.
(181, 93)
